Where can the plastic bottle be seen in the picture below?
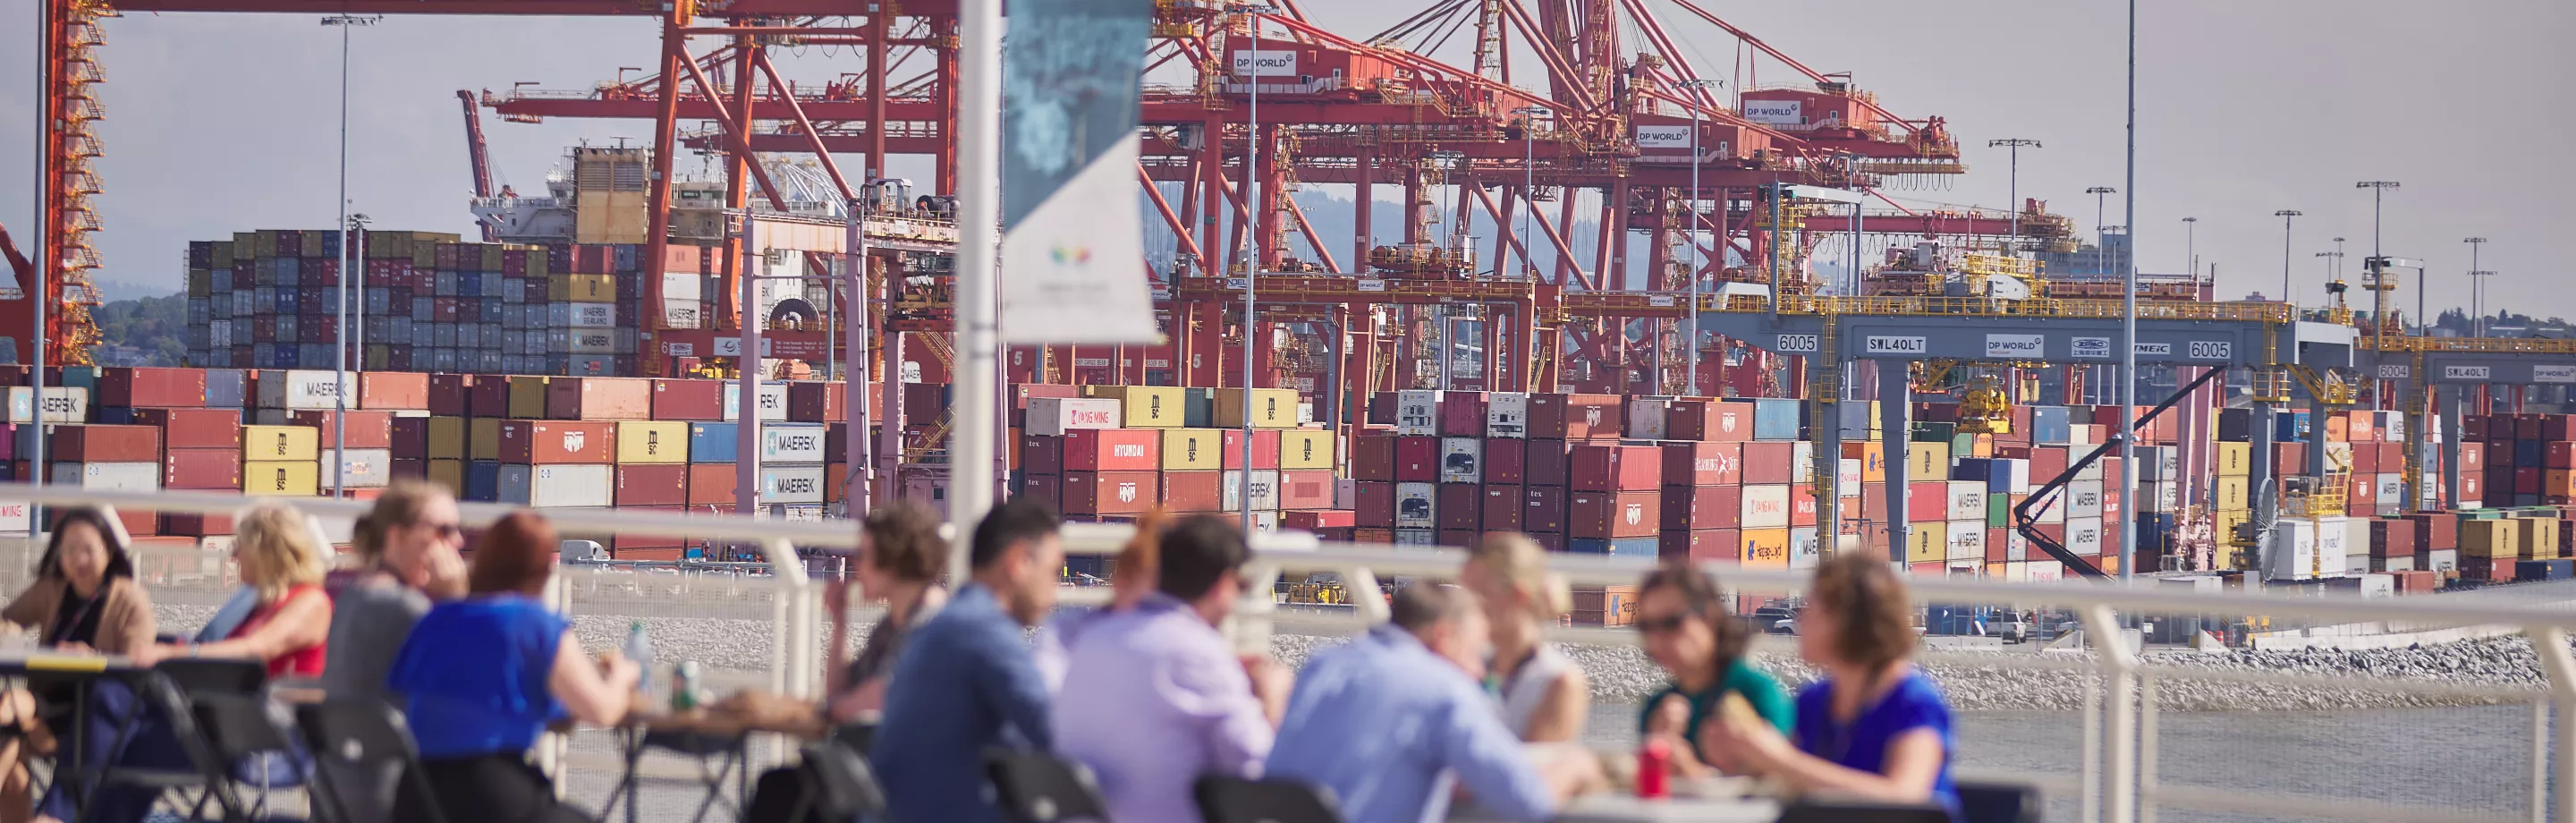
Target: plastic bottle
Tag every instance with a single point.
(639, 650)
(684, 686)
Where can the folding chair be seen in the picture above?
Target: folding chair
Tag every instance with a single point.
(1835, 811)
(170, 692)
(232, 728)
(1036, 787)
(1998, 803)
(1228, 799)
(363, 756)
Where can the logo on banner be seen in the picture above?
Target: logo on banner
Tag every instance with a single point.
(1663, 137)
(1069, 148)
(1896, 345)
(2016, 346)
(1264, 63)
(2464, 372)
(2553, 374)
(1775, 112)
(2093, 347)
(2155, 349)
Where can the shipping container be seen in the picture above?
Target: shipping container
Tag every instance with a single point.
(202, 470)
(651, 441)
(298, 443)
(282, 478)
(1192, 449)
(1109, 449)
(544, 442)
(364, 468)
(1057, 415)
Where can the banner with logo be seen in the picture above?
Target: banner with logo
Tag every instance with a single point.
(1073, 249)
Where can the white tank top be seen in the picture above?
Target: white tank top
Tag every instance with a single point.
(1528, 686)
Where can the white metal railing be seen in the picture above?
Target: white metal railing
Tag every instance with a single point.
(2113, 775)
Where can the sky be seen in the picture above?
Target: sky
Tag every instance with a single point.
(222, 123)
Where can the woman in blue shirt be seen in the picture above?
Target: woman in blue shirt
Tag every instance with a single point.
(1875, 728)
(483, 676)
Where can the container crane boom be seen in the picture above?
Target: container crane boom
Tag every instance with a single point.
(480, 164)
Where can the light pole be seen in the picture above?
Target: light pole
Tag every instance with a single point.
(2286, 216)
(2478, 302)
(2474, 244)
(340, 313)
(1529, 181)
(2101, 242)
(2378, 191)
(2012, 188)
(2334, 264)
(1251, 273)
(2129, 362)
(2338, 259)
(2191, 246)
(1690, 316)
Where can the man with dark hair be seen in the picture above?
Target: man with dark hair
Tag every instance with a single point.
(1154, 697)
(964, 681)
(1392, 719)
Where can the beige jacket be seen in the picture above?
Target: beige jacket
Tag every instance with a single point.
(125, 621)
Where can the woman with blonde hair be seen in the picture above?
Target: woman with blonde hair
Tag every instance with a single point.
(1545, 695)
(279, 553)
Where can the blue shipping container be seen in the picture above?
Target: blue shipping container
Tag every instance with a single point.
(2050, 425)
(483, 481)
(2526, 453)
(2544, 570)
(1775, 419)
(1639, 547)
(2290, 425)
(713, 443)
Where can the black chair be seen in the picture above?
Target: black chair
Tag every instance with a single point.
(1998, 803)
(843, 787)
(363, 757)
(860, 737)
(236, 728)
(171, 692)
(1839, 811)
(1225, 799)
(1036, 787)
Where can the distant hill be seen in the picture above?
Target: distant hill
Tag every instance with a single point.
(143, 331)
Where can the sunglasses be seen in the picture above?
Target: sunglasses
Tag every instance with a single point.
(443, 530)
(1662, 625)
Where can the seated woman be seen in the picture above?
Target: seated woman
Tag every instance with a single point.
(84, 600)
(900, 564)
(1545, 695)
(483, 676)
(1687, 631)
(1875, 727)
(405, 553)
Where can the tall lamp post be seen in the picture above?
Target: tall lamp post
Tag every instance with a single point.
(2101, 241)
(1530, 116)
(1252, 272)
(2474, 244)
(2378, 192)
(1690, 316)
(2191, 246)
(2286, 216)
(2012, 188)
(2334, 264)
(340, 312)
(2478, 302)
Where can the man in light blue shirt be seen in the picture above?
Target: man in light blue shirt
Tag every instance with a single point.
(1154, 697)
(1392, 720)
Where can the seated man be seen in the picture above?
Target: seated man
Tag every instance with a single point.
(1387, 720)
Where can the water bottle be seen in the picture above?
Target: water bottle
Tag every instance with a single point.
(639, 649)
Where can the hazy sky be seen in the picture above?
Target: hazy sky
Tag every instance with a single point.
(225, 123)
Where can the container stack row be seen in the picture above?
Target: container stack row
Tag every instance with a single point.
(1110, 453)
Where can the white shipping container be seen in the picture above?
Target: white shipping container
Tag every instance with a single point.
(2446, 560)
(2162, 497)
(1507, 414)
(571, 485)
(1968, 501)
(791, 443)
(13, 515)
(2159, 464)
(2392, 490)
(2084, 536)
(2049, 509)
(2084, 499)
(2339, 456)
(1417, 413)
(790, 485)
(1265, 491)
(1646, 417)
(590, 341)
(2042, 571)
(772, 401)
(2091, 471)
(1968, 540)
(109, 477)
(1462, 460)
(1265, 522)
(1414, 504)
(367, 468)
(680, 313)
(1847, 475)
(2333, 542)
(1764, 507)
(2020, 479)
(2293, 553)
(302, 390)
(683, 284)
(2016, 547)
(63, 404)
(1417, 537)
(1053, 416)
(1806, 547)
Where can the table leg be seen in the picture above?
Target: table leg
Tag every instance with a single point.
(634, 759)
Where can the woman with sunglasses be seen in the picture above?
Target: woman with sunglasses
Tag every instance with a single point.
(407, 554)
(1685, 630)
(1545, 695)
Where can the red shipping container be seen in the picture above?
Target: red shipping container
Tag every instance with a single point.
(102, 444)
(1039, 454)
(542, 442)
(1460, 506)
(1265, 449)
(659, 484)
(1998, 545)
(1802, 505)
(1506, 460)
(1770, 463)
(409, 438)
(1672, 546)
(1417, 459)
(1114, 450)
(1462, 414)
(489, 397)
(2486, 569)
(2436, 532)
(1551, 541)
(2046, 463)
(1699, 508)
(194, 428)
(1575, 416)
(149, 387)
(680, 399)
(1702, 464)
(393, 390)
(1544, 464)
(2365, 458)
(1044, 488)
(1375, 507)
(202, 469)
(1925, 502)
(599, 398)
(711, 484)
(2529, 426)
(815, 401)
(2526, 481)
(1503, 508)
(1709, 420)
(1457, 538)
(1609, 515)
(1316, 520)
(1543, 510)
(1373, 458)
(1305, 489)
(1110, 492)
(1873, 503)
(1610, 467)
(1709, 546)
(196, 525)
(1194, 491)
(2555, 427)
(367, 429)
(2473, 457)
(2558, 454)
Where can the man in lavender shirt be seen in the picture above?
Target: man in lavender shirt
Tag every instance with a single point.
(1154, 697)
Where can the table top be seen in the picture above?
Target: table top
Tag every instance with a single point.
(1621, 808)
(30, 660)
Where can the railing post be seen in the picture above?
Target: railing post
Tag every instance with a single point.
(1367, 600)
(791, 673)
(2551, 644)
(2119, 729)
(1251, 624)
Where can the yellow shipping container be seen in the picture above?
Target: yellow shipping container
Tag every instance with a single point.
(1306, 449)
(281, 478)
(1143, 407)
(1766, 549)
(1271, 408)
(2490, 539)
(483, 439)
(2235, 459)
(1928, 461)
(447, 438)
(1192, 449)
(582, 288)
(1927, 542)
(449, 473)
(282, 443)
(652, 441)
(527, 397)
(2230, 493)
(2538, 537)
